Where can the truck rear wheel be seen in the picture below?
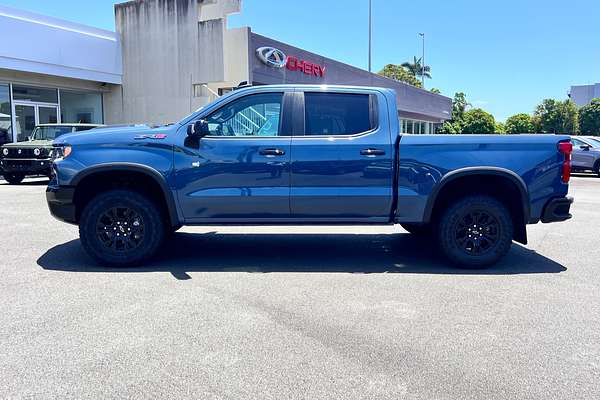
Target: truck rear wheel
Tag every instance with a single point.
(475, 232)
(14, 178)
(121, 228)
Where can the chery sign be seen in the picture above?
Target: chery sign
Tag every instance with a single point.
(276, 58)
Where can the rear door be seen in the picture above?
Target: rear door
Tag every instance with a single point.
(342, 160)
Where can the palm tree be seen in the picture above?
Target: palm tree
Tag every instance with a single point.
(416, 69)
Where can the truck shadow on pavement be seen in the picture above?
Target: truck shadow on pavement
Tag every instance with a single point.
(325, 253)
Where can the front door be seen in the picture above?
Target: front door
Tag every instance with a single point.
(28, 116)
(240, 171)
(582, 158)
(342, 167)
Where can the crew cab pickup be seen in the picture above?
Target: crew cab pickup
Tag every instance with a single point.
(284, 154)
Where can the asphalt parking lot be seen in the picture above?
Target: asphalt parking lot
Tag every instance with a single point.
(297, 312)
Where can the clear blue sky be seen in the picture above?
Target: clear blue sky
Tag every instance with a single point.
(506, 55)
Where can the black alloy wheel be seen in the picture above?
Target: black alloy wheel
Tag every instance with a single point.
(475, 231)
(121, 228)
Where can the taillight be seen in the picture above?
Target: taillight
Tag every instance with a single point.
(566, 148)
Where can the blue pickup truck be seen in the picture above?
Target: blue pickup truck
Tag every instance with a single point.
(296, 154)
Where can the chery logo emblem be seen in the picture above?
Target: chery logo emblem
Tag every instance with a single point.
(272, 57)
(277, 59)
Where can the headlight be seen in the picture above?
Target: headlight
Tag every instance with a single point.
(37, 152)
(5, 151)
(60, 152)
(66, 151)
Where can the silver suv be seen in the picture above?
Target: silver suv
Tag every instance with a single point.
(586, 154)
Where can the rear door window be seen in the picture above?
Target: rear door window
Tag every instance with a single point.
(329, 114)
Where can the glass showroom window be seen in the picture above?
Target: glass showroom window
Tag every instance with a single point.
(5, 115)
(34, 94)
(80, 107)
(416, 127)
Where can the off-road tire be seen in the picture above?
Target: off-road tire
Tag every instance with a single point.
(417, 229)
(14, 178)
(96, 227)
(483, 241)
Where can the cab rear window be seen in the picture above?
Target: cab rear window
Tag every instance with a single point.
(338, 113)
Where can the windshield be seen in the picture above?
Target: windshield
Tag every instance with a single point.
(50, 132)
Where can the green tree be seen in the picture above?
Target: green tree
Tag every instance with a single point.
(399, 73)
(416, 68)
(519, 123)
(500, 128)
(455, 125)
(459, 106)
(450, 128)
(589, 118)
(554, 116)
(435, 90)
(477, 121)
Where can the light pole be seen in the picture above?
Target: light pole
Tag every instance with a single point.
(423, 61)
(370, 34)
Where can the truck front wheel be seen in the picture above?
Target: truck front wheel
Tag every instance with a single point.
(121, 228)
(475, 231)
(14, 178)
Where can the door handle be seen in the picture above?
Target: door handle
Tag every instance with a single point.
(271, 152)
(372, 152)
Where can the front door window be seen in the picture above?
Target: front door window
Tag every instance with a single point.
(255, 115)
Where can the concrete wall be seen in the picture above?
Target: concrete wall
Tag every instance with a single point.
(584, 94)
(50, 46)
(170, 49)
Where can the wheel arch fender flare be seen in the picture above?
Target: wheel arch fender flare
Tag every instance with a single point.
(474, 171)
(139, 168)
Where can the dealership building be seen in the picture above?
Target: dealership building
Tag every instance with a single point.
(166, 59)
(584, 94)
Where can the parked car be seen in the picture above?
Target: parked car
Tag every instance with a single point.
(586, 154)
(594, 140)
(335, 157)
(35, 156)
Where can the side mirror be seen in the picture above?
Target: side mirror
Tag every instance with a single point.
(585, 147)
(198, 129)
